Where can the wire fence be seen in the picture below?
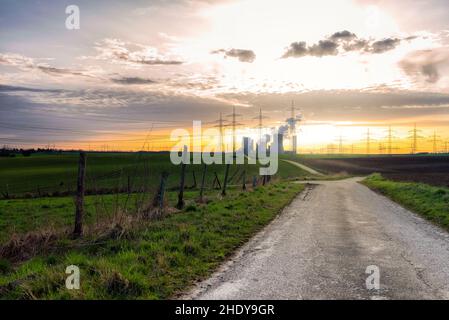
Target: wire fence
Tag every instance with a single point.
(148, 186)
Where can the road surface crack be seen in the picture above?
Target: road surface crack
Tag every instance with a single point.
(419, 270)
(308, 188)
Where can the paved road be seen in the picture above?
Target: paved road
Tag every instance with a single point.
(321, 245)
(304, 167)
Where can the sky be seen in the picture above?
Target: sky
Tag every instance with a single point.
(137, 69)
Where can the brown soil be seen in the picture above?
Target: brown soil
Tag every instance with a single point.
(433, 170)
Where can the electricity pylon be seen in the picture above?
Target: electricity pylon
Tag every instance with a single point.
(221, 124)
(390, 138)
(234, 124)
(415, 136)
(292, 121)
(434, 140)
(340, 144)
(368, 142)
(260, 118)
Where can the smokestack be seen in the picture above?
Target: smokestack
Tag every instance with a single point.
(280, 140)
(247, 145)
(283, 129)
(279, 137)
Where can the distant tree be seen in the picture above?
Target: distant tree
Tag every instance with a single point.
(27, 153)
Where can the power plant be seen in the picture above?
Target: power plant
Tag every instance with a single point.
(289, 130)
(285, 136)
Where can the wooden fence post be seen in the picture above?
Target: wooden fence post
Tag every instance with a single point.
(203, 181)
(225, 182)
(159, 199)
(180, 203)
(254, 181)
(194, 179)
(6, 193)
(264, 180)
(78, 231)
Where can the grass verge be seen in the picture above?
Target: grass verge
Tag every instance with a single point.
(156, 260)
(429, 201)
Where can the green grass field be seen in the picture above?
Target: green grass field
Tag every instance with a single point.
(53, 174)
(57, 172)
(429, 201)
(19, 216)
(25, 173)
(156, 260)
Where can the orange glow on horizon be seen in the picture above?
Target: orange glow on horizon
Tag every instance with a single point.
(333, 138)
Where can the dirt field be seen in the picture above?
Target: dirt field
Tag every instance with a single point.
(433, 170)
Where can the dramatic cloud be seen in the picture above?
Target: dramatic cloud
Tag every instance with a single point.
(16, 60)
(118, 51)
(343, 35)
(341, 42)
(378, 104)
(324, 48)
(26, 63)
(132, 80)
(426, 63)
(6, 88)
(296, 50)
(63, 116)
(242, 54)
(195, 83)
(155, 62)
(61, 71)
(355, 45)
(384, 45)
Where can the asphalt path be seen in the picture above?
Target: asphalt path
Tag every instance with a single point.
(326, 244)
